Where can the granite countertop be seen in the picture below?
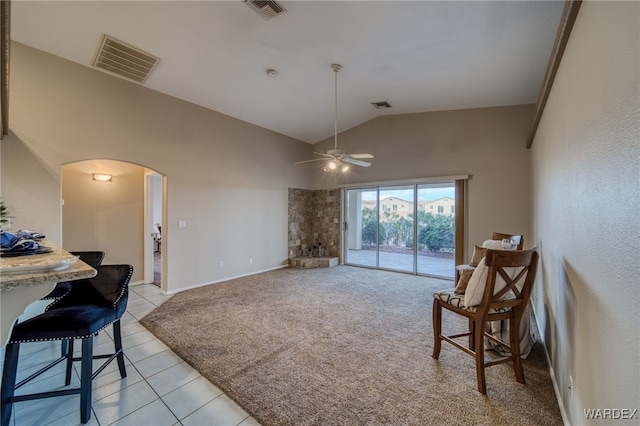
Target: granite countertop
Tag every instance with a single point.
(56, 266)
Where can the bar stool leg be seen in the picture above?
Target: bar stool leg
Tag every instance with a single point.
(63, 347)
(86, 370)
(9, 373)
(117, 340)
(69, 356)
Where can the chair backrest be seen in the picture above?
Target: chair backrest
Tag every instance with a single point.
(519, 239)
(109, 288)
(91, 258)
(510, 278)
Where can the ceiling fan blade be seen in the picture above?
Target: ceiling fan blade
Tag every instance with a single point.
(324, 155)
(309, 161)
(360, 155)
(356, 162)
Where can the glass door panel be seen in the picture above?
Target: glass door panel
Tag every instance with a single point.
(436, 229)
(361, 235)
(396, 242)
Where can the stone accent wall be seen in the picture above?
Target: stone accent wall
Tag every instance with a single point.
(314, 217)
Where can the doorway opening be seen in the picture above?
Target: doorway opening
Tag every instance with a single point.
(115, 215)
(153, 220)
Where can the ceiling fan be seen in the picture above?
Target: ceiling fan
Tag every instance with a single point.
(338, 159)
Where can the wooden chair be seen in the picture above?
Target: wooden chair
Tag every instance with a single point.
(506, 301)
(518, 239)
(497, 236)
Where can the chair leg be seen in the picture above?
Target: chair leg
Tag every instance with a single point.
(86, 369)
(69, 356)
(117, 340)
(514, 337)
(9, 373)
(478, 332)
(63, 348)
(437, 328)
(472, 336)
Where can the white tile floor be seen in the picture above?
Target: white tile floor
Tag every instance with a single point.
(160, 388)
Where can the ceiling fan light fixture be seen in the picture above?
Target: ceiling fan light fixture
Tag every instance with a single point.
(337, 160)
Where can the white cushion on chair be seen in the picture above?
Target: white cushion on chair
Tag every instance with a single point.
(492, 244)
(478, 281)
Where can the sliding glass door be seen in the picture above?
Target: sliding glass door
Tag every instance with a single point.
(436, 229)
(406, 228)
(361, 230)
(396, 212)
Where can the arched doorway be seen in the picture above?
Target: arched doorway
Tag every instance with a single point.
(117, 216)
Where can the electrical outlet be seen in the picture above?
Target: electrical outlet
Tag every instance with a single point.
(250, 260)
(221, 264)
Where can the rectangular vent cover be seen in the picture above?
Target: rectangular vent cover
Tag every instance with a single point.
(266, 8)
(123, 60)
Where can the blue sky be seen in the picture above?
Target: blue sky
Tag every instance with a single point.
(426, 194)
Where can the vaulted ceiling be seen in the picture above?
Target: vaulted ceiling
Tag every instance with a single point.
(416, 55)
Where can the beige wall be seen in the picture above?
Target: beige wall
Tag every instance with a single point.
(218, 168)
(105, 216)
(487, 143)
(586, 182)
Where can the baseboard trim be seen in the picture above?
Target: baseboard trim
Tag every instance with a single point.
(552, 374)
(180, 290)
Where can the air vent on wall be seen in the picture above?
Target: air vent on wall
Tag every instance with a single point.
(123, 60)
(266, 8)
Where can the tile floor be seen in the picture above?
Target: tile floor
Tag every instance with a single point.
(160, 388)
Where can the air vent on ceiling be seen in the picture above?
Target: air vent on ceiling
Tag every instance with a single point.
(381, 105)
(266, 8)
(123, 60)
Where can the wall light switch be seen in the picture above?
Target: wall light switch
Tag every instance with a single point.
(182, 224)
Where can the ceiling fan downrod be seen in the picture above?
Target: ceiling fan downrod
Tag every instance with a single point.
(335, 68)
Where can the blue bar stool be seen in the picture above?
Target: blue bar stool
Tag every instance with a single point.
(91, 258)
(89, 307)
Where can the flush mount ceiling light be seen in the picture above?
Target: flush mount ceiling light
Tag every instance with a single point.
(339, 160)
(102, 177)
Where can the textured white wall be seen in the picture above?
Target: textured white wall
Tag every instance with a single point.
(226, 178)
(487, 143)
(586, 215)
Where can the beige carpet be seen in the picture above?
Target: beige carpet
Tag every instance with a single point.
(343, 346)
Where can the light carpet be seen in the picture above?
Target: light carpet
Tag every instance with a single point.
(343, 346)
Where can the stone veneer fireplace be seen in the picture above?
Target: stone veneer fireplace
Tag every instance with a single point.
(314, 217)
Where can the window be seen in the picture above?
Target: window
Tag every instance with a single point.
(453, 209)
(395, 207)
(440, 209)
